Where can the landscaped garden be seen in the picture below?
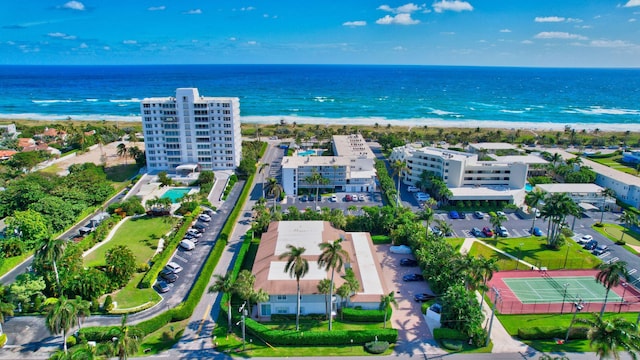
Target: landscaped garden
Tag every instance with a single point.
(615, 232)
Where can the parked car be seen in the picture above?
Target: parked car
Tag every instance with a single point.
(585, 239)
(478, 214)
(173, 267)
(486, 231)
(200, 226)
(436, 231)
(503, 231)
(422, 196)
(361, 197)
(501, 213)
(600, 249)
(303, 198)
(536, 231)
(348, 197)
(422, 297)
(413, 277)
(204, 217)
(194, 233)
(454, 214)
(187, 245)
(168, 276)
(334, 198)
(436, 308)
(462, 215)
(209, 212)
(162, 287)
(412, 189)
(408, 262)
(400, 249)
(476, 232)
(591, 245)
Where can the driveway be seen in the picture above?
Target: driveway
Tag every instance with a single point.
(414, 336)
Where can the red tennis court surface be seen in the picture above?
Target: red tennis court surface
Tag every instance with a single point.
(511, 304)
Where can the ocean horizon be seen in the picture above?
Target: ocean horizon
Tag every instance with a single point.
(408, 95)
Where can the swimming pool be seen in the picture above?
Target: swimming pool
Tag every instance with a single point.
(307, 153)
(175, 194)
(528, 187)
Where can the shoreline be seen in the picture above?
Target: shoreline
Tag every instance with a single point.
(354, 121)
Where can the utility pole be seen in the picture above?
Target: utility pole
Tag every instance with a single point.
(493, 310)
(242, 320)
(579, 305)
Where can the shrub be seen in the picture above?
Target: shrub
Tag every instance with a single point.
(598, 224)
(355, 315)
(621, 242)
(566, 232)
(451, 334)
(376, 347)
(142, 267)
(3, 340)
(453, 345)
(550, 332)
(108, 303)
(95, 306)
(71, 341)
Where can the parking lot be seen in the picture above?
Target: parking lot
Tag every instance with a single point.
(340, 201)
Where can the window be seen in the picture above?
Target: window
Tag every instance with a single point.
(282, 310)
(265, 309)
(281, 298)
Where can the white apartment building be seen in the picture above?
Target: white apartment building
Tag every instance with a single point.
(190, 129)
(350, 170)
(465, 176)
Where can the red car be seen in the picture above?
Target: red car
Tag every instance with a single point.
(487, 232)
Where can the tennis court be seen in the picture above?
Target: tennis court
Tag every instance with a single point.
(552, 290)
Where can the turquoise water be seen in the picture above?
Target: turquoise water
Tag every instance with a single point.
(528, 187)
(307, 153)
(175, 194)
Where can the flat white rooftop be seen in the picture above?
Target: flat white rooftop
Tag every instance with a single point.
(570, 188)
(492, 146)
(307, 234)
(297, 161)
(527, 159)
(352, 145)
(371, 283)
(276, 271)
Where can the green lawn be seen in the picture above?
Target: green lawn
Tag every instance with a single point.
(7, 264)
(456, 243)
(162, 339)
(512, 322)
(615, 162)
(614, 233)
(311, 325)
(504, 263)
(121, 173)
(534, 251)
(140, 235)
(130, 297)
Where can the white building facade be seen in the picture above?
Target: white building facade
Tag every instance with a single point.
(191, 129)
(464, 175)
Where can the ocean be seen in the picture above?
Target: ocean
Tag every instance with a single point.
(540, 98)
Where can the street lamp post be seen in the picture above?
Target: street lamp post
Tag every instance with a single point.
(624, 285)
(579, 305)
(242, 321)
(564, 297)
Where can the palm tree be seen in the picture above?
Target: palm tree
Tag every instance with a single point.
(92, 352)
(399, 167)
(125, 344)
(606, 337)
(297, 267)
(51, 251)
(629, 219)
(325, 287)
(333, 257)
(556, 209)
(122, 150)
(496, 222)
(532, 199)
(84, 309)
(61, 317)
(606, 193)
(427, 215)
(274, 189)
(445, 227)
(486, 267)
(316, 179)
(611, 275)
(224, 284)
(261, 170)
(385, 304)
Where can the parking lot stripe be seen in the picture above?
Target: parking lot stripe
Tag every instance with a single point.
(181, 258)
(613, 260)
(632, 271)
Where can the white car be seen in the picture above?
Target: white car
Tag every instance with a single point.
(412, 189)
(204, 217)
(422, 196)
(361, 197)
(400, 249)
(187, 245)
(173, 267)
(585, 239)
(334, 198)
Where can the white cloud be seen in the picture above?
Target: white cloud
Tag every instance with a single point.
(447, 33)
(574, 20)
(107, 48)
(632, 3)
(248, 8)
(549, 19)
(252, 42)
(632, 20)
(526, 42)
(400, 48)
(74, 5)
(157, 8)
(130, 42)
(233, 38)
(355, 23)
(193, 12)
(505, 31)
(399, 19)
(60, 35)
(610, 43)
(455, 5)
(83, 46)
(404, 9)
(559, 35)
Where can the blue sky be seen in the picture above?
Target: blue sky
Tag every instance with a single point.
(562, 33)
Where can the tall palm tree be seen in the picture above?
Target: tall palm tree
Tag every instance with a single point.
(496, 222)
(333, 257)
(50, 251)
(385, 304)
(261, 170)
(532, 199)
(273, 188)
(427, 214)
(629, 219)
(607, 337)
(399, 167)
(556, 209)
(611, 275)
(61, 317)
(126, 344)
(325, 287)
(445, 227)
(84, 309)
(224, 284)
(297, 267)
(606, 194)
(121, 150)
(486, 267)
(316, 179)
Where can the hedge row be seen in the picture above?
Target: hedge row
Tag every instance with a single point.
(550, 332)
(359, 315)
(451, 334)
(335, 337)
(386, 183)
(160, 259)
(99, 234)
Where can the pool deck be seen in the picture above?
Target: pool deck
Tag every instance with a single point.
(153, 189)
